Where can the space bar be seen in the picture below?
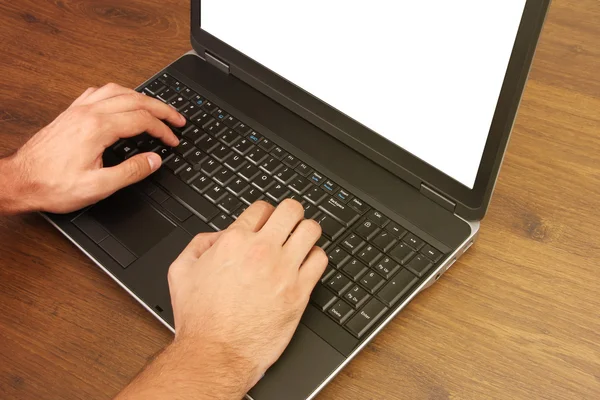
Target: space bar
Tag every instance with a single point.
(185, 194)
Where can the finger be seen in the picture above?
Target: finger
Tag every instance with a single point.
(283, 221)
(312, 269)
(254, 218)
(106, 92)
(128, 172)
(301, 242)
(199, 244)
(135, 101)
(83, 96)
(132, 123)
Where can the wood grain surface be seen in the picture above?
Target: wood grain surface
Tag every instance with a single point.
(516, 318)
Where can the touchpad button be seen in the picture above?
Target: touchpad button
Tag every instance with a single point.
(132, 221)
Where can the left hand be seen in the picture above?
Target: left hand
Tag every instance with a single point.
(60, 168)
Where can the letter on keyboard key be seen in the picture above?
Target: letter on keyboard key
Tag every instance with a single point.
(366, 318)
(340, 211)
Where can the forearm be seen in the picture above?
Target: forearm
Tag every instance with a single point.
(14, 192)
(185, 371)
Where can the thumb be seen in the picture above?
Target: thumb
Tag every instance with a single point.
(130, 171)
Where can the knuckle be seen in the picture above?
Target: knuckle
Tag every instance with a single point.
(263, 205)
(293, 206)
(135, 167)
(312, 227)
(111, 86)
(320, 256)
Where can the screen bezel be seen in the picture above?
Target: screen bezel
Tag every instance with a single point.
(470, 203)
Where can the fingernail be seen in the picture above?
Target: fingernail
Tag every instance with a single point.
(154, 161)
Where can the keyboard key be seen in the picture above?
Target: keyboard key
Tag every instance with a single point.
(219, 115)
(209, 107)
(278, 153)
(193, 133)
(231, 121)
(356, 296)
(190, 110)
(339, 283)
(166, 95)
(207, 143)
(198, 100)
(165, 153)
(372, 281)
(242, 129)
(263, 181)
(432, 253)
(267, 145)
(323, 243)
(155, 87)
(270, 165)
(397, 287)
(256, 155)
(229, 203)
(354, 269)
(176, 163)
(339, 211)
(210, 167)
(369, 255)
(386, 267)
(255, 137)
(221, 222)
(303, 169)
(395, 229)
(315, 195)
(237, 186)
(317, 178)
(185, 146)
(278, 192)
(239, 211)
(251, 195)
(419, 265)
(248, 172)
(291, 161)
(126, 150)
(343, 196)
(188, 93)
(330, 227)
(195, 157)
(188, 174)
(340, 312)
(299, 185)
(329, 271)
(178, 87)
(186, 194)
(215, 193)
(202, 183)
(353, 243)
(329, 186)
(402, 253)
(215, 128)
(202, 119)
(285, 175)
(175, 208)
(223, 176)
(228, 137)
(322, 297)
(366, 318)
(367, 229)
(413, 241)
(378, 218)
(243, 146)
(384, 240)
(221, 153)
(150, 144)
(178, 102)
(235, 162)
(358, 205)
(310, 210)
(338, 256)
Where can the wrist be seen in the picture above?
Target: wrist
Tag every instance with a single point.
(16, 194)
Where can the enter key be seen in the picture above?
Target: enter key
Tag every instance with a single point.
(366, 318)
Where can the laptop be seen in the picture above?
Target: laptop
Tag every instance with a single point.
(387, 120)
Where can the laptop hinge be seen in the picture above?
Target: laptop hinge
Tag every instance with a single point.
(438, 198)
(215, 62)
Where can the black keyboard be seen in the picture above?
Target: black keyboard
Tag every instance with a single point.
(222, 165)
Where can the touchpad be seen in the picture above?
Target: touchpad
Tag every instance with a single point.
(132, 221)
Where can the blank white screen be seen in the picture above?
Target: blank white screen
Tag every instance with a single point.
(426, 75)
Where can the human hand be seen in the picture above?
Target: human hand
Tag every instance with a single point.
(239, 294)
(60, 168)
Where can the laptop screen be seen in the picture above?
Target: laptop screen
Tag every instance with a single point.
(426, 75)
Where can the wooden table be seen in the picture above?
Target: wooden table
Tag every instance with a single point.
(517, 318)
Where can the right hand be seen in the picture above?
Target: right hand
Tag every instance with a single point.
(239, 294)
